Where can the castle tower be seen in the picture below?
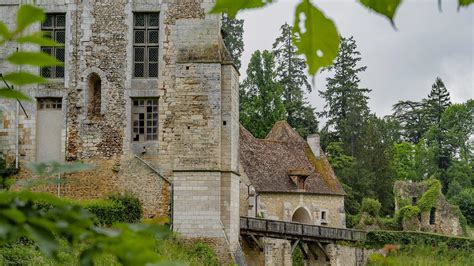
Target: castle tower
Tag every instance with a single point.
(205, 124)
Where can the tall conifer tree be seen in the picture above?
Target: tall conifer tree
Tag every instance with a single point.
(346, 102)
(292, 77)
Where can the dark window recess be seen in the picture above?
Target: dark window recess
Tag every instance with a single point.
(95, 96)
(432, 215)
(50, 103)
(323, 215)
(413, 201)
(146, 37)
(54, 27)
(145, 119)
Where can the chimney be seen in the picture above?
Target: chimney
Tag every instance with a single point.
(313, 142)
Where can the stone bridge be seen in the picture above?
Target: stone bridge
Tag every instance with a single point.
(272, 242)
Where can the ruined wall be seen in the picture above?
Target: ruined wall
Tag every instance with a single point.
(437, 216)
(281, 206)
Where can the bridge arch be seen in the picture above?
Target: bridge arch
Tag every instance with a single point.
(301, 215)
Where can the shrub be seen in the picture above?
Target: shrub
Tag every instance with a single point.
(6, 171)
(116, 209)
(371, 206)
(389, 223)
(204, 253)
(465, 201)
(352, 220)
(132, 204)
(407, 213)
(377, 239)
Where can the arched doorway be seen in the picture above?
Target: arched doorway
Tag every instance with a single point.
(301, 215)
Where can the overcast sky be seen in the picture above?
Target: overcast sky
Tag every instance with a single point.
(401, 64)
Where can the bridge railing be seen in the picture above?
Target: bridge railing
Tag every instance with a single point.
(299, 229)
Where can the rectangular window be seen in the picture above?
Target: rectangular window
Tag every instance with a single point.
(50, 103)
(146, 29)
(145, 119)
(54, 27)
(323, 216)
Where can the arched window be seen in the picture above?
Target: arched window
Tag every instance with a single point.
(94, 92)
(301, 215)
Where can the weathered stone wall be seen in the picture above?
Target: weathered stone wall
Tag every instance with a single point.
(282, 206)
(446, 216)
(276, 252)
(197, 91)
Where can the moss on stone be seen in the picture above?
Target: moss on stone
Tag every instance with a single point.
(430, 197)
(323, 168)
(407, 213)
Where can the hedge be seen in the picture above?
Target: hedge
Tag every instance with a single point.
(377, 239)
(114, 209)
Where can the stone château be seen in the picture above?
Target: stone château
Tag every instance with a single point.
(149, 94)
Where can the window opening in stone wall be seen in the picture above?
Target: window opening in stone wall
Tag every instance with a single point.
(432, 215)
(50, 103)
(145, 119)
(413, 201)
(323, 215)
(145, 44)
(54, 27)
(95, 94)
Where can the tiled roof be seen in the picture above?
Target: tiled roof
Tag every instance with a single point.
(268, 161)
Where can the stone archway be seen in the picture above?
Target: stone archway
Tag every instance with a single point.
(301, 215)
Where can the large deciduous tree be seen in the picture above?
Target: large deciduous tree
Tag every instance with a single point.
(260, 95)
(292, 77)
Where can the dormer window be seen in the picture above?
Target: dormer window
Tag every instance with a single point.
(298, 176)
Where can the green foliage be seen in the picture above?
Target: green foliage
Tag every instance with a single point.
(423, 255)
(379, 259)
(371, 206)
(6, 171)
(294, 81)
(389, 223)
(407, 213)
(336, 156)
(377, 239)
(346, 103)
(402, 202)
(316, 36)
(22, 217)
(231, 7)
(352, 220)
(465, 201)
(233, 37)
(116, 209)
(194, 253)
(298, 257)
(204, 253)
(27, 15)
(388, 8)
(429, 198)
(402, 161)
(261, 103)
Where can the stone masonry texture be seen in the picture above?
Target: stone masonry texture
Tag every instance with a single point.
(198, 128)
